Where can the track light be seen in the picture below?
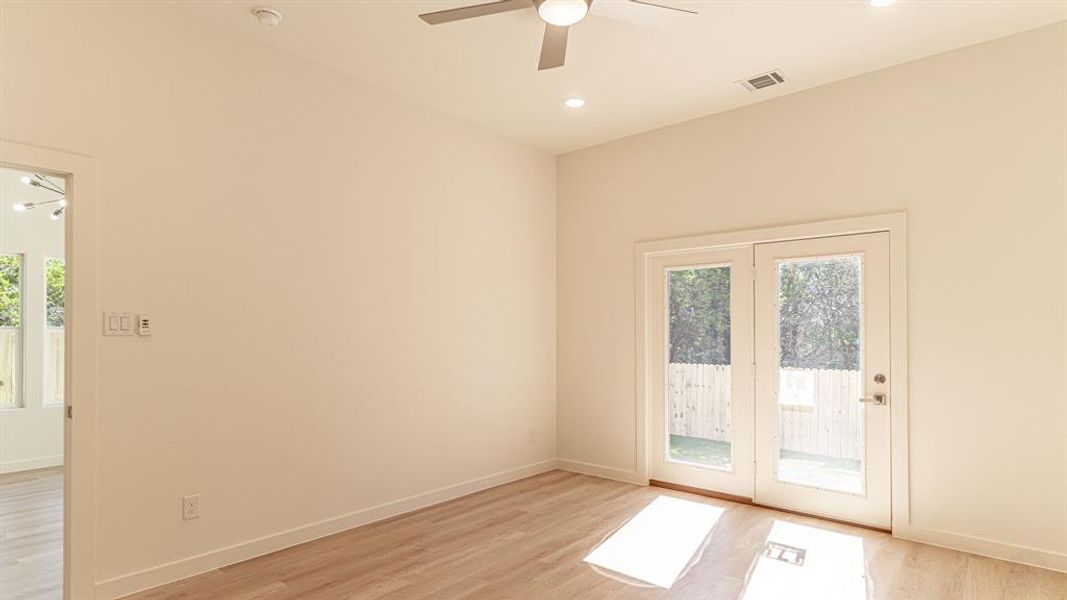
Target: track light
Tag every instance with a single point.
(23, 206)
(56, 213)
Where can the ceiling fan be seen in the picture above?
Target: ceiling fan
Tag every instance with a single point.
(558, 16)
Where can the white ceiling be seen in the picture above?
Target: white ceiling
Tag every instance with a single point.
(639, 68)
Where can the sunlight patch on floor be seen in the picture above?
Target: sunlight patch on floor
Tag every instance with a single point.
(806, 562)
(658, 543)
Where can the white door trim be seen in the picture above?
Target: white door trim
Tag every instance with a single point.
(79, 478)
(893, 223)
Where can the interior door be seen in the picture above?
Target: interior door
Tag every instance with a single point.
(701, 372)
(822, 366)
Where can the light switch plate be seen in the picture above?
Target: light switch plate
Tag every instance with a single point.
(144, 325)
(117, 323)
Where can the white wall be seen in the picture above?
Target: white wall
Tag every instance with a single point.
(972, 145)
(31, 437)
(354, 297)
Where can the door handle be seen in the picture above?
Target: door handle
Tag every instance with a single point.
(876, 399)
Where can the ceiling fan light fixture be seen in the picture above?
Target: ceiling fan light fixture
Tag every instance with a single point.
(562, 13)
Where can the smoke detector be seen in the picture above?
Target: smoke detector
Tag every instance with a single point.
(763, 80)
(267, 16)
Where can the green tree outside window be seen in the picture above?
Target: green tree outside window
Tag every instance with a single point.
(55, 291)
(10, 290)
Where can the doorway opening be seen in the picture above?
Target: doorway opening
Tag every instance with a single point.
(32, 382)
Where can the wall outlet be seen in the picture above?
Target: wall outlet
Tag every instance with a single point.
(190, 507)
(531, 435)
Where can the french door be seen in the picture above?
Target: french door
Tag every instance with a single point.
(702, 373)
(769, 374)
(822, 388)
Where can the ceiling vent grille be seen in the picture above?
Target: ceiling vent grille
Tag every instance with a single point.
(765, 80)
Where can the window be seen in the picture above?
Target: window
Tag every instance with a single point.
(55, 318)
(10, 330)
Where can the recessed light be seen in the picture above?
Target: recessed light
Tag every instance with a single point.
(574, 102)
(881, 3)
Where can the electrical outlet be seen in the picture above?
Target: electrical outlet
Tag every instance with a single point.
(190, 507)
(531, 435)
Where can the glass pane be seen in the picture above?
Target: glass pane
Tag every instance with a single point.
(9, 354)
(55, 303)
(10, 290)
(54, 367)
(56, 283)
(819, 376)
(10, 324)
(698, 373)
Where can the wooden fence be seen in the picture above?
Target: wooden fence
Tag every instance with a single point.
(820, 412)
(10, 350)
(53, 366)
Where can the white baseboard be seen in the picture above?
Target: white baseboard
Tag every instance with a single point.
(124, 585)
(596, 470)
(984, 547)
(14, 466)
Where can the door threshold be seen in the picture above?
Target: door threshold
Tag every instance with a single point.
(746, 500)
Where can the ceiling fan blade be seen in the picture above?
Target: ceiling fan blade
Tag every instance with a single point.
(692, 12)
(478, 10)
(553, 47)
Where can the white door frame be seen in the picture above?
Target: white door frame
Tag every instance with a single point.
(79, 477)
(894, 223)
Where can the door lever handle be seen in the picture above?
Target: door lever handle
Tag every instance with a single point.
(876, 399)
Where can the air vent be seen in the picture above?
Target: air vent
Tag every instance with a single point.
(765, 80)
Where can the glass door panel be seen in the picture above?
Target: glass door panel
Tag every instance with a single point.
(698, 370)
(819, 372)
(700, 366)
(822, 355)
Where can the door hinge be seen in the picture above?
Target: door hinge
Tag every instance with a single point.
(70, 412)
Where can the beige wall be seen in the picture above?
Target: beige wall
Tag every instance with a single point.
(972, 145)
(31, 437)
(354, 297)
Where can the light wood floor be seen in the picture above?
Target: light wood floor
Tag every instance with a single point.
(527, 539)
(31, 535)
